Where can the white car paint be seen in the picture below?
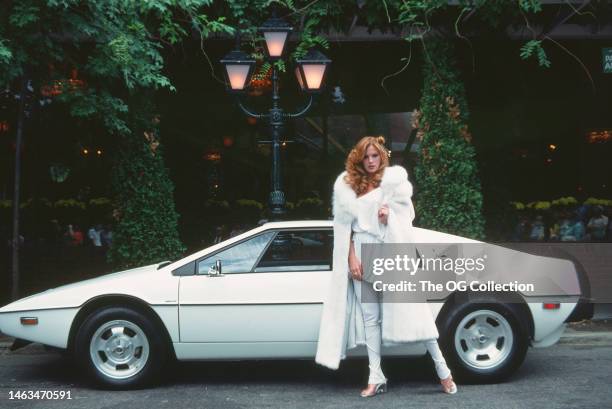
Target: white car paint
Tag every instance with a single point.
(146, 283)
(235, 316)
(52, 329)
(158, 288)
(550, 323)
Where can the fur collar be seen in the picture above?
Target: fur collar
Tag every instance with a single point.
(344, 198)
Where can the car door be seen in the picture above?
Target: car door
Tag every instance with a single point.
(267, 302)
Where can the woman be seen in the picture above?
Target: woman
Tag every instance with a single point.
(371, 204)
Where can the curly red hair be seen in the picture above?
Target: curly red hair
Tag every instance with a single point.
(356, 175)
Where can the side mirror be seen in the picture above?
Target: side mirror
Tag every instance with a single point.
(216, 270)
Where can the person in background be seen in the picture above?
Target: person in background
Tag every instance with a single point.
(571, 229)
(521, 230)
(107, 237)
(579, 228)
(219, 234)
(553, 230)
(598, 225)
(77, 236)
(537, 229)
(67, 237)
(582, 212)
(565, 227)
(609, 215)
(95, 235)
(236, 230)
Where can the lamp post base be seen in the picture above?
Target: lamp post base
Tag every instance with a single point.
(277, 205)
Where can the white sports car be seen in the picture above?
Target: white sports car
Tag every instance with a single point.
(259, 295)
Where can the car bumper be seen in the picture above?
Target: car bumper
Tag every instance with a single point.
(52, 328)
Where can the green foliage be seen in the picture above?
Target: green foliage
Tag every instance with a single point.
(249, 203)
(69, 203)
(114, 44)
(146, 231)
(5, 53)
(310, 208)
(309, 37)
(24, 14)
(448, 195)
(534, 48)
(418, 15)
(214, 203)
(89, 103)
(533, 6)
(246, 211)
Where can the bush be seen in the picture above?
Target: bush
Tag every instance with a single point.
(448, 193)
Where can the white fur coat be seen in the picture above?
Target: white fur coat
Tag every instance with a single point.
(342, 322)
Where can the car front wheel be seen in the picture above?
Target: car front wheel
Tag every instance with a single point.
(120, 348)
(484, 342)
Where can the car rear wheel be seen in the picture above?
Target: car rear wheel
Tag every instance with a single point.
(484, 342)
(120, 348)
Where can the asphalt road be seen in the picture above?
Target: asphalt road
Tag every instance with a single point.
(575, 373)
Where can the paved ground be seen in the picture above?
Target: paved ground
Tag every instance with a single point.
(574, 373)
(602, 312)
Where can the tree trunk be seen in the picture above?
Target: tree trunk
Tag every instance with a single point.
(16, 192)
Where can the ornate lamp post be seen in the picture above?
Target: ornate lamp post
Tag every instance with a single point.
(310, 72)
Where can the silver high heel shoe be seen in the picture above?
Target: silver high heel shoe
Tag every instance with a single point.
(380, 388)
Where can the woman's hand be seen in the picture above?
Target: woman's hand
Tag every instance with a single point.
(383, 214)
(355, 267)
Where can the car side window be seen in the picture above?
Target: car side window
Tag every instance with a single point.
(298, 250)
(239, 258)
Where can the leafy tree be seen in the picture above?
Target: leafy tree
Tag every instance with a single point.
(114, 46)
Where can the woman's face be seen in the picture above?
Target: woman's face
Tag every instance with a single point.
(371, 160)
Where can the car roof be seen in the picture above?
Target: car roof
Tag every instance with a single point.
(297, 223)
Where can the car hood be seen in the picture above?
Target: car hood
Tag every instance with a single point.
(126, 282)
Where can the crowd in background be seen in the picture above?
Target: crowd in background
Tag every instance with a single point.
(583, 223)
(60, 241)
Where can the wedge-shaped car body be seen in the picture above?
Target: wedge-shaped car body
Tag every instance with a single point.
(259, 295)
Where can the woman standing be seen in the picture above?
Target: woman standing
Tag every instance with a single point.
(371, 204)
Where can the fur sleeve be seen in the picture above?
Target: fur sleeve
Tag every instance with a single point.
(396, 186)
(402, 194)
(344, 205)
(398, 196)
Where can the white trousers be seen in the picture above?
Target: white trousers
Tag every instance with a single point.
(373, 337)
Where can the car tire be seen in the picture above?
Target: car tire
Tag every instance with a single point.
(120, 348)
(483, 342)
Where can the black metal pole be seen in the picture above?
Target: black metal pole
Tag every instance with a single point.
(16, 192)
(277, 196)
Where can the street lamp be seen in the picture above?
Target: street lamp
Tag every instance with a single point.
(275, 31)
(310, 72)
(238, 70)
